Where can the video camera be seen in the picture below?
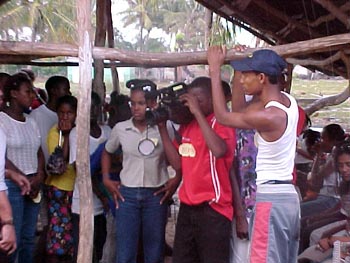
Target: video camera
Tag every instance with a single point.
(170, 107)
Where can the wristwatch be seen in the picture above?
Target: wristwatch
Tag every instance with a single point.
(7, 222)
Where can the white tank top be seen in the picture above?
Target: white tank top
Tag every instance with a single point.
(275, 160)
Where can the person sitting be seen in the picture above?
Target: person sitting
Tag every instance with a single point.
(324, 179)
(323, 249)
(304, 157)
(322, 193)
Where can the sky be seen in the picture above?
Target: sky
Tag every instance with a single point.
(130, 33)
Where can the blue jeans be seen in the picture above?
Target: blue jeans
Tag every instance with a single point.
(320, 204)
(25, 214)
(141, 211)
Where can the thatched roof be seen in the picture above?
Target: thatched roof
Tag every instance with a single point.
(281, 22)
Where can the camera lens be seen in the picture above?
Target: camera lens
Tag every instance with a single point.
(156, 116)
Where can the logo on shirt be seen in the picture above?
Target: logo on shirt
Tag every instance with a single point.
(187, 150)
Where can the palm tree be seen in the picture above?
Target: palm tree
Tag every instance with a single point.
(140, 13)
(48, 20)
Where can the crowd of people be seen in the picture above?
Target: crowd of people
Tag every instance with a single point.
(255, 183)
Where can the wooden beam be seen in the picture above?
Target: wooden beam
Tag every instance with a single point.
(83, 179)
(242, 4)
(328, 101)
(337, 12)
(285, 18)
(329, 17)
(312, 62)
(140, 59)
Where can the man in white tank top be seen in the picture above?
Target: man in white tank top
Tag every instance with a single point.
(275, 222)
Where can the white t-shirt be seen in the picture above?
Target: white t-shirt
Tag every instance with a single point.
(22, 142)
(45, 119)
(3, 186)
(330, 182)
(299, 159)
(94, 143)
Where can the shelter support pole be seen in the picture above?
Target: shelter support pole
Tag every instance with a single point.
(86, 228)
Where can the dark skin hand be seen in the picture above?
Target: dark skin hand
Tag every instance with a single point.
(242, 227)
(169, 188)
(35, 183)
(241, 220)
(113, 188)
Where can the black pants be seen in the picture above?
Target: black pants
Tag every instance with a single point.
(100, 234)
(202, 235)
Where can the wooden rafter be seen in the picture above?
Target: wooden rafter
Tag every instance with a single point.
(242, 4)
(285, 18)
(329, 16)
(237, 20)
(337, 12)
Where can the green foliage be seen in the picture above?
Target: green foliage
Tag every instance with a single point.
(48, 21)
(155, 45)
(223, 32)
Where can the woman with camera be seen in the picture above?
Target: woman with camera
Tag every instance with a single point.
(140, 207)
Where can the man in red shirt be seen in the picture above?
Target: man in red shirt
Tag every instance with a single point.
(203, 157)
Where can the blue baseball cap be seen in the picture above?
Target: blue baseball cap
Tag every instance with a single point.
(265, 61)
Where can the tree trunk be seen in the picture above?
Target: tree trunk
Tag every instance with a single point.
(83, 179)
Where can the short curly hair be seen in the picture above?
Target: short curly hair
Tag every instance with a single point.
(14, 82)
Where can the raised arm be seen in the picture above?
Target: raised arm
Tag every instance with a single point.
(238, 102)
(171, 152)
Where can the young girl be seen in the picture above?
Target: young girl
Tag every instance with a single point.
(59, 246)
(25, 156)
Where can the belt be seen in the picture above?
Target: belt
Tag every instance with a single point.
(278, 182)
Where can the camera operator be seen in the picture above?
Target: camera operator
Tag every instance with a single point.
(204, 156)
(144, 180)
(169, 106)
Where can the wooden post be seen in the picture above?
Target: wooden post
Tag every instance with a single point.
(83, 127)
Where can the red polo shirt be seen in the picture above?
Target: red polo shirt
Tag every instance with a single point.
(206, 178)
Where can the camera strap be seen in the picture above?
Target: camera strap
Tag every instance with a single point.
(177, 135)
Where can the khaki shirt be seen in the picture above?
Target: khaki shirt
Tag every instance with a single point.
(139, 170)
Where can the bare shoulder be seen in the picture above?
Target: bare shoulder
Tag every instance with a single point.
(286, 100)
